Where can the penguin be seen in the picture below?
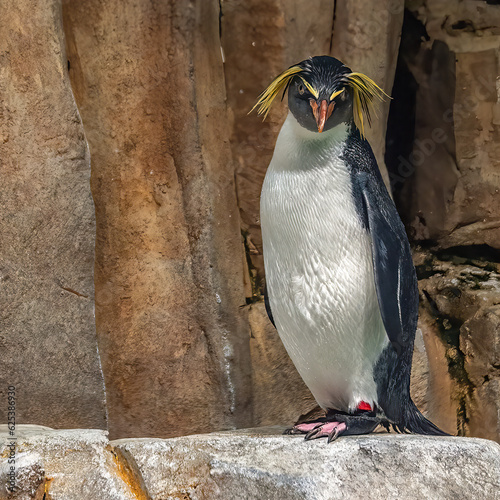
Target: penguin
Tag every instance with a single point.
(341, 287)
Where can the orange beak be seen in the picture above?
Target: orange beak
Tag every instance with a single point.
(322, 112)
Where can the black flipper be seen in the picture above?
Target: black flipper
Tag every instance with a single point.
(396, 285)
(395, 277)
(268, 306)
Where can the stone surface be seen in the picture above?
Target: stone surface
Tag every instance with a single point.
(148, 79)
(432, 386)
(66, 465)
(480, 343)
(47, 334)
(442, 154)
(251, 464)
(258, 464)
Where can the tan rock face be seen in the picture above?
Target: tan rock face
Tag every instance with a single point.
(480, 343)
(47, 333)
(169, 277)
(452, 193)
(460, 317)
(443, 158)
(168, 159)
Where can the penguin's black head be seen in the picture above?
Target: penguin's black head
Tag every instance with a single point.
(318, 96)
(322, 93)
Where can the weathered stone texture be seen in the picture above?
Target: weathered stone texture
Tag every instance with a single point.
(66, 465)
(461, 313)
(148, 80)
(47, 332)
(443, 157)
(454, 168)
(259, 463)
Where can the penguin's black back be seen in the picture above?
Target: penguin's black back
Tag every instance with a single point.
(396, 284)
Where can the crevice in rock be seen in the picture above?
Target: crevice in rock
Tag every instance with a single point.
(483, 257)
(479, 255)
(333, 25)
(400, 134)
(420, 140)
(449, 333)
(74, 292)
(463, 25)
(129, 472)
(45, 488)
(221, 14)
(256, 281)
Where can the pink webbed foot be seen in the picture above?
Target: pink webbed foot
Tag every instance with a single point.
(336, 423)
(315, 430)
(331, 430)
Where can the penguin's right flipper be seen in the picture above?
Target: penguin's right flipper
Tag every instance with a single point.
(395, 278)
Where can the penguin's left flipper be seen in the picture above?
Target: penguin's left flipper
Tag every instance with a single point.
(395, 278)
(268, 306)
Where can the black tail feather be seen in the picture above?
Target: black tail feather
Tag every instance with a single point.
(413, 421)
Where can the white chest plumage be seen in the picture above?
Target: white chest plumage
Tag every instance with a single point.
(319, 268)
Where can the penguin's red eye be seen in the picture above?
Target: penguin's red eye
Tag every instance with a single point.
(301, 89)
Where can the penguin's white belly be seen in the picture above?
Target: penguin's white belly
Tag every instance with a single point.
(320, 281)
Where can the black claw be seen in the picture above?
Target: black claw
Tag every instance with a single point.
(335, 434)
(292, 431)
(313, 434)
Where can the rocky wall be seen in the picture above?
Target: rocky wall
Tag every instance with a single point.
(47, 330)
(148, 80)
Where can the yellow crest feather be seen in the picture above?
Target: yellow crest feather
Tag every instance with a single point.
(365, 91)
(279, 83)
(336, 93)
